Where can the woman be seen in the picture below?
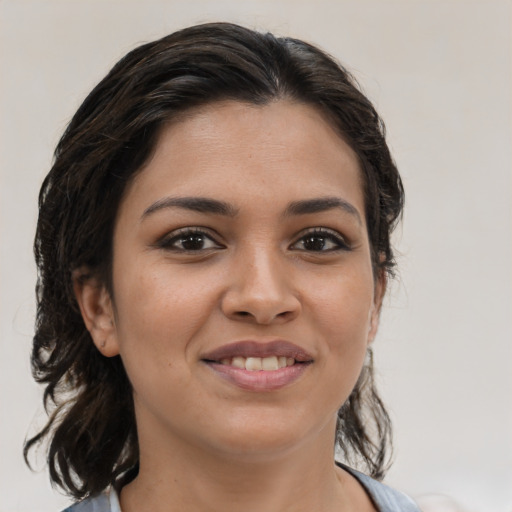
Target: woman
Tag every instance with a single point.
(213, 247)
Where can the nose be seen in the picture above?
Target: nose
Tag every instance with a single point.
(261, 291)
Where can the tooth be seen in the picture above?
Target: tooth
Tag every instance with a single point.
(238, 362)
(253, 363)
(269, 363)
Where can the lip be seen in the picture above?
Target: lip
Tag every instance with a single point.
(252, 348)
(259, 381)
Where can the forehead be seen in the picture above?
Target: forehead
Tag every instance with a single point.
(238, 151)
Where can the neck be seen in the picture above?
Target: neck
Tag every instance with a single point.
(183, 477)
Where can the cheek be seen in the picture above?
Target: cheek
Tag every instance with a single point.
(147, 305)
(342, 311)
(343, 305)
(159, 310)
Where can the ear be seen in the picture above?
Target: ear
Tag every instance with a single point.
(97, 311)
(378, 297)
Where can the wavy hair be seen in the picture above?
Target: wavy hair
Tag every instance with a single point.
(91, 430)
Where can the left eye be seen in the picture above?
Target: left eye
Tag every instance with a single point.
(189, 241)
(320, 241)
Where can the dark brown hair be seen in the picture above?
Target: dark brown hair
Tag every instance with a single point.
(91, 429)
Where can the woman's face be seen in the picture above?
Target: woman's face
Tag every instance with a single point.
(242, 245)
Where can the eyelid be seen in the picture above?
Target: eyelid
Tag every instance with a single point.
(166, 241)
(341, 241)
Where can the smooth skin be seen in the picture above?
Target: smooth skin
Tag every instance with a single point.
(190, 276)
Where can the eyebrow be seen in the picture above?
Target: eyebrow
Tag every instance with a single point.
(196, 204)
(321, 204)
(217, 207)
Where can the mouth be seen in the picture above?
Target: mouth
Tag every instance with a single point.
(254, 364)
(257, 366)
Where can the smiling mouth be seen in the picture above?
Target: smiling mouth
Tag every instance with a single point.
(254, 364)
(259, 366)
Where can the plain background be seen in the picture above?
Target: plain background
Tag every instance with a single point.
(439, 72)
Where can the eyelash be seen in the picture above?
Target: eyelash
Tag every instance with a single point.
(169, 241)
(324, 235)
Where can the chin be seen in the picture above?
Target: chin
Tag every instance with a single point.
(267, 440)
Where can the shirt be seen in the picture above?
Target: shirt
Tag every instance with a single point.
(383, 497)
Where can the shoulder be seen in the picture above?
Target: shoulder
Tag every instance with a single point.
(383, 496)
(105, 502)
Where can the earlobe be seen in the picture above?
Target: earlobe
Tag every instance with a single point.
(97, 311)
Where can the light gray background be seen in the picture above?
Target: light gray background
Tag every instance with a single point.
(440, 74)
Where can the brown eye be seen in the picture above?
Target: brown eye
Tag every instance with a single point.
(321, 240)
(192, 242)
(314, 243)
(187, 240)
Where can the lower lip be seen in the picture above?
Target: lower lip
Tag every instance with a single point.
(259, 380)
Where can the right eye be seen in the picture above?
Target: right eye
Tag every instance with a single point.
(189, 240)
(321, 240)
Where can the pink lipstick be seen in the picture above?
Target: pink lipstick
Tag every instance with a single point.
(257, 366)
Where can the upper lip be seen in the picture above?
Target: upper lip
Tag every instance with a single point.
(252, 348)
